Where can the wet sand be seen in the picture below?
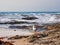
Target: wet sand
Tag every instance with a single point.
(5, 32)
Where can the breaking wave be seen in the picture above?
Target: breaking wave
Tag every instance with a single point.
(42, 17)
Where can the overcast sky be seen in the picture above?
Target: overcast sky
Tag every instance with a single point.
(29, 5)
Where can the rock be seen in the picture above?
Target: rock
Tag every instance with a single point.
(5, 43)
(36, 36)
(17, 37)
(49, 37)
(30, 18)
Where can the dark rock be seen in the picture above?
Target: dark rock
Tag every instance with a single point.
(17, 37)
(30, 18)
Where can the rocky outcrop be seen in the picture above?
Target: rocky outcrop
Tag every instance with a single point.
(5, 43)
(30, 18)
(17, 37)
(49, 37)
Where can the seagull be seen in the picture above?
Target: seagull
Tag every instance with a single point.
(34, 28)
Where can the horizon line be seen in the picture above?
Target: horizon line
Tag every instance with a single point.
(33, 11)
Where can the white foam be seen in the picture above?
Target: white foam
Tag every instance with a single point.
(42, 18)
(10, 32)
(47, 18)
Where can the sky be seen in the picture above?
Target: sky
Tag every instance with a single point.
(30, 5)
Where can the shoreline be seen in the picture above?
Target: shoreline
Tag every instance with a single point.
(13, 32)
(26, 37)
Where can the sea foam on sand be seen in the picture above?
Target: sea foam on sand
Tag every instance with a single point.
(4, 32)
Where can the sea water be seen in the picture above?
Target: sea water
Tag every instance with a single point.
(42, 18)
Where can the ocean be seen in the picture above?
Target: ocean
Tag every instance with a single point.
(23, 23)
(42, 18)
